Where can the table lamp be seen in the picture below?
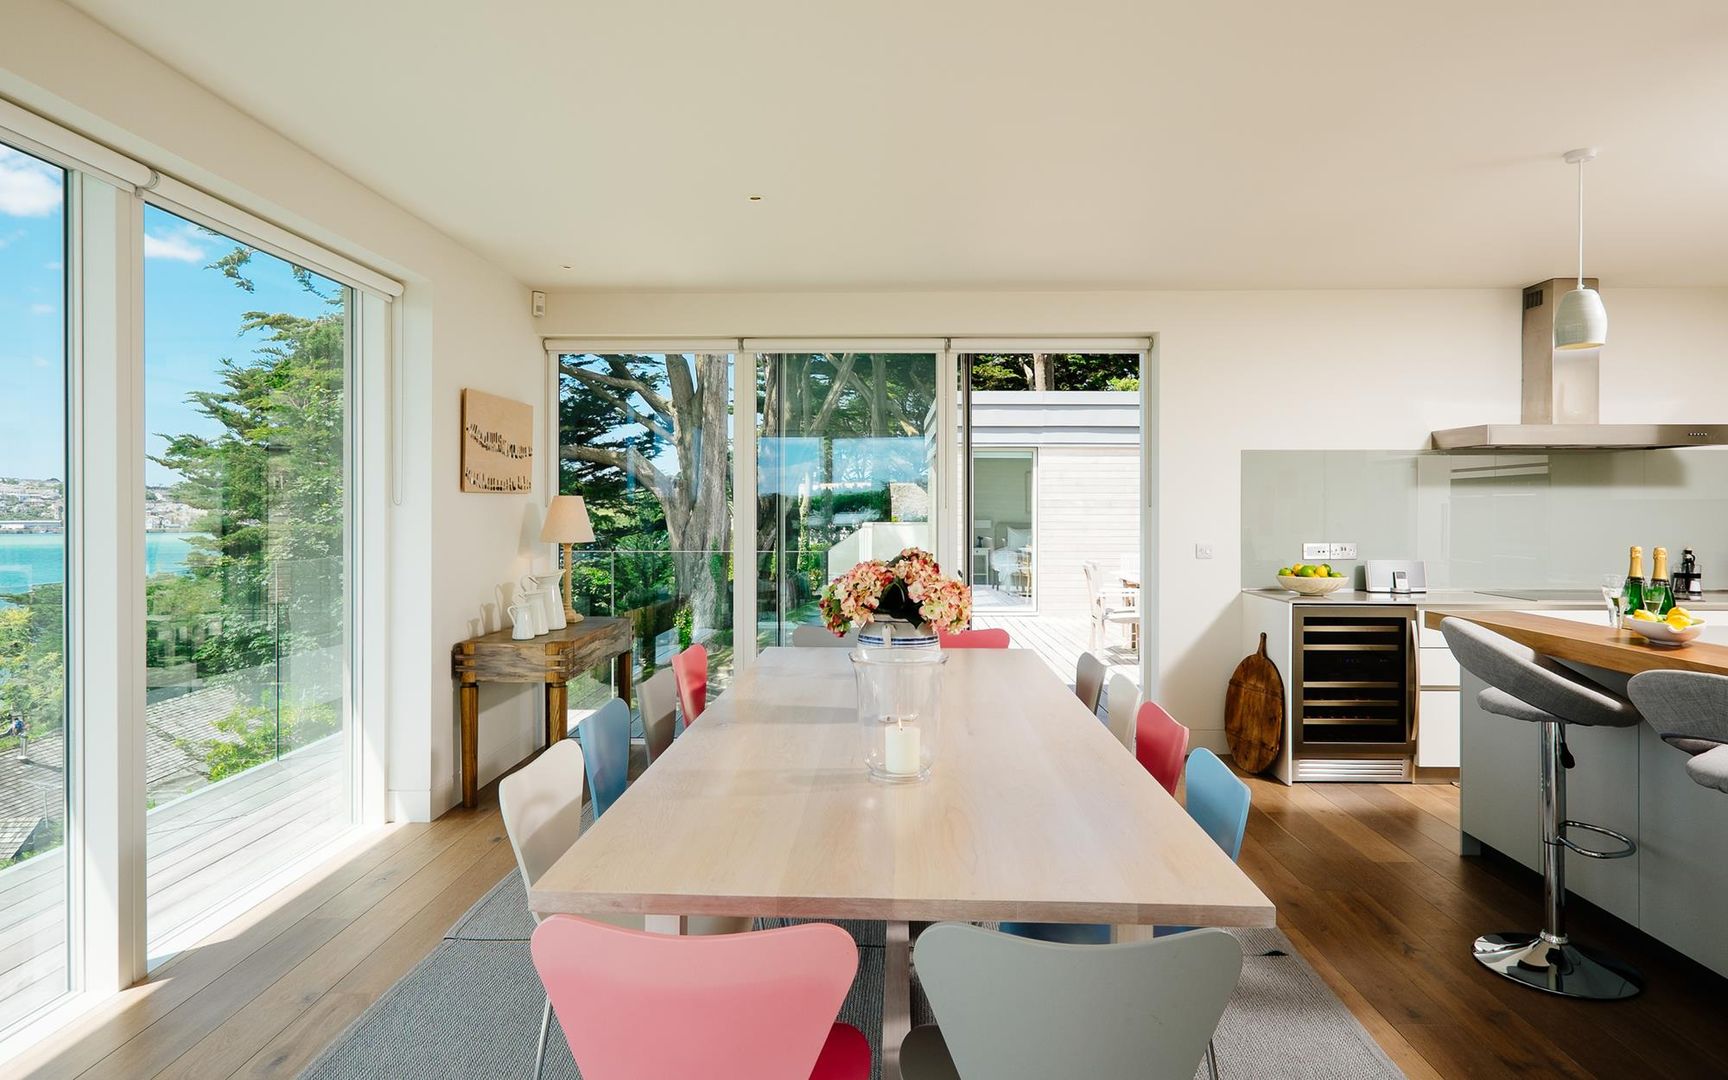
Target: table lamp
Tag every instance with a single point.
(566, 524)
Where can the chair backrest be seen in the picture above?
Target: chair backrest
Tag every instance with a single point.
(1218, 801)
(1533, 679)
(1089, 672)
(1092, 572)
(1160, 743)
(810, 636)
(1014, 1009)
(605, 735)
(1121, 703)
(1687, 708)
(541, 804)
(755, 1006)
(690, 668)
(994, 638)
(658, 696)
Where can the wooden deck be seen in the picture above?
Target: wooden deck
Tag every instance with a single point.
(1059, 641)
(204, 849)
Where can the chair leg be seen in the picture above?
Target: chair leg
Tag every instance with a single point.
(545, 1029)
(1212, 1059)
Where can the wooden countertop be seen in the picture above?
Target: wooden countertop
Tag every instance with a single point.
(1590, 643)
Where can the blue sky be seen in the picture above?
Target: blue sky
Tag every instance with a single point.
(192, 317)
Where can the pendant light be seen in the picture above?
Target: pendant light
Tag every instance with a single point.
(1581, 322)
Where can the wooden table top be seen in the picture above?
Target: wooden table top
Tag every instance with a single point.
(589, 626)
(1594, 644)
(1033, 811)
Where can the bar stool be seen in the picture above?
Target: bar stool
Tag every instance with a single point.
(1525, 686)
(1689, 709)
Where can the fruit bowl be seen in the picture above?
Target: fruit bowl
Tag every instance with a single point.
(1311, 586)
(1660, 633)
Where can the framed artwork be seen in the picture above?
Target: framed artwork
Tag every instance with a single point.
(497, 443)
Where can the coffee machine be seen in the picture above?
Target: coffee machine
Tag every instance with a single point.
(1688, 582)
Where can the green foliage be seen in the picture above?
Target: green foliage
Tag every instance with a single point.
(32, 659)
(251, 735)
(686, 623)
(1066, 371)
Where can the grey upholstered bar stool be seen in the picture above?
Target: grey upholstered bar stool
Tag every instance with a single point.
(1689, 709)
(1525, 686)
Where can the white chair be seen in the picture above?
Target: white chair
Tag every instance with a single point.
(1111, 606)
(1121, 702)
(658, 695)
(541, 804)
(1089, 672)
(1013, 561)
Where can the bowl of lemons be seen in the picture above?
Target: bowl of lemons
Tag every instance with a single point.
(1672, 630)
(1308, 579)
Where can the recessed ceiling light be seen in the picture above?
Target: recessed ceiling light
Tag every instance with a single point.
(567, 266)
(755, 198)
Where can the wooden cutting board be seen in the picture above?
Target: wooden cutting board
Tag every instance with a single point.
(1254, 712)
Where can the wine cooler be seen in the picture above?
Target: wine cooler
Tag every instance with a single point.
(1356, 691)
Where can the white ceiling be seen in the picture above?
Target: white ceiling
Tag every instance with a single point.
(1079, 144)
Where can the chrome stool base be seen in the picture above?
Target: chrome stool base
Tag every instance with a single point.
(1560, 968)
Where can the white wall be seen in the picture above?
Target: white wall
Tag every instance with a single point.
(1246, 370)
(465, 323)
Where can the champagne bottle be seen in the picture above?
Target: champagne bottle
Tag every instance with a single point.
(1634, 582)
(1658, 592)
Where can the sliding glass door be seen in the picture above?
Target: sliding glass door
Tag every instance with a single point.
(646, 440)
(34, 879)
(248, 762)
(847, 445)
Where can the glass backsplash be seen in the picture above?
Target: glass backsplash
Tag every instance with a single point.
(1541, 520)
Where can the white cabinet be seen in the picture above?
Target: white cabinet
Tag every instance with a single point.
(1437, 737)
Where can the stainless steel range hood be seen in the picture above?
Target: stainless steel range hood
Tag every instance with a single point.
(1562, 401)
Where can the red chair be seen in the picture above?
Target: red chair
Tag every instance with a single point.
(690, 668)
(758, 1006)
(1161, 744)
(974, 639)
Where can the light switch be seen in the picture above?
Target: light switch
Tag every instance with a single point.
(1202, 551)
(1342, 551)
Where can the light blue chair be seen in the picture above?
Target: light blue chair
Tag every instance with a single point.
(605, 736)
(1217, 801)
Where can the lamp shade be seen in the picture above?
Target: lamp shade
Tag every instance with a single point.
(567, 521)
(1581, 322)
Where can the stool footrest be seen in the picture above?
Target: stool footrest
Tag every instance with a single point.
(1630, 845)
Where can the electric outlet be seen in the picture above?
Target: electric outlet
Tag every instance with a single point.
(1343, 551)
(1202, 551)
(1322, 550)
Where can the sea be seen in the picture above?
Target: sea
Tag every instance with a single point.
(28, 559)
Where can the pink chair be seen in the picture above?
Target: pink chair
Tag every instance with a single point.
(756, 1006)
(690, 668)
(1161, 744)
(975, 639)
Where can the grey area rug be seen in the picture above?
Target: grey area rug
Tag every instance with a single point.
(472, 1009)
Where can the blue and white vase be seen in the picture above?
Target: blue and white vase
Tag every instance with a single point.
(897, 634)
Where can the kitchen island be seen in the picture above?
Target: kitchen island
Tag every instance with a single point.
(1627, 779)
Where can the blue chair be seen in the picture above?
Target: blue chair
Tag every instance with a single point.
(1218, 801)
(605, 736)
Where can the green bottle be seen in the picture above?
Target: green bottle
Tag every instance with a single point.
(1658, 592)
(1634, 600)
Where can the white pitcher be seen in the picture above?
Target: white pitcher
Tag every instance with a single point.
(521, 622)
(553, 598)
(534, 610)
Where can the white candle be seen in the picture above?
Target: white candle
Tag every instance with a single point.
(900, 755)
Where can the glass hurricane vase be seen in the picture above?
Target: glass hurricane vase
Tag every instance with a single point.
(899, 707)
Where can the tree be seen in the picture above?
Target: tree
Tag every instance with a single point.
(1056, 371)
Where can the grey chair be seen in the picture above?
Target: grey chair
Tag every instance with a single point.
(806, 636)
(1689, 709)
(1089, 672)
(1009, 1008)
(1525, 686)
(658, 696)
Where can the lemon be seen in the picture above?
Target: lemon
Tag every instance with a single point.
(1284, 572)
(1678, 620)
(1644, 616)
(1687, 615)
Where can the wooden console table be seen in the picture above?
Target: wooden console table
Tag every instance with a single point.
(552, 659)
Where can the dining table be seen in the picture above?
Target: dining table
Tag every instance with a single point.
(1032, 811)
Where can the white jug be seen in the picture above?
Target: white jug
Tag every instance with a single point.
(553, 600)
(521, 622)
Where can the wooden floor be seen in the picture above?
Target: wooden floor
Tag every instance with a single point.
(1059, 641)
(1366, 878)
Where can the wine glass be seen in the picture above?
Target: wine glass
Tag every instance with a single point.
(1614, 595)
(1657, 596)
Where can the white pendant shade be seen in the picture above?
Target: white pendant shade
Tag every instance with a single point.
(1581, 321)
(567, 521)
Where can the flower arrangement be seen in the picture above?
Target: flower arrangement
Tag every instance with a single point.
(909, 587)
